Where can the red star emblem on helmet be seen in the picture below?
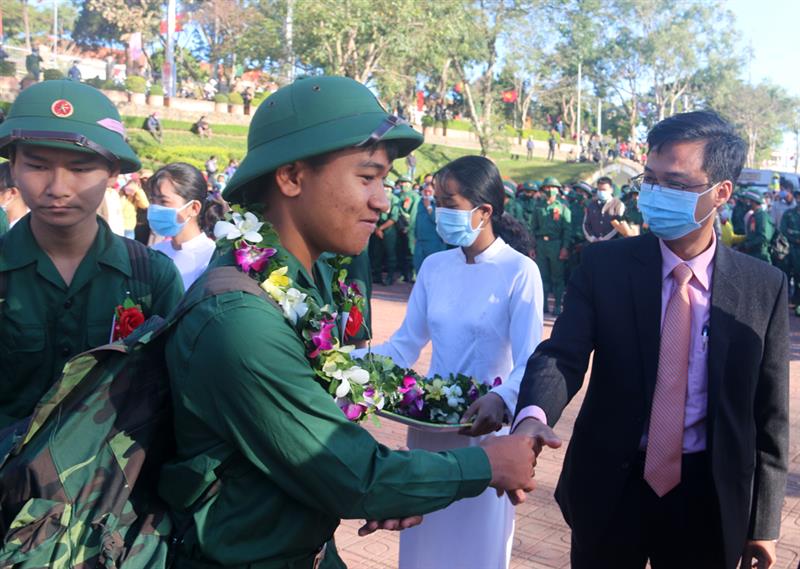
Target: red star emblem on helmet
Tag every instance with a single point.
(62, 108)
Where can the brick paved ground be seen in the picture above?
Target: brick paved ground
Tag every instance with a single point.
(542, 537)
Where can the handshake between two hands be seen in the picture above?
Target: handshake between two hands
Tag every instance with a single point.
(513, 462)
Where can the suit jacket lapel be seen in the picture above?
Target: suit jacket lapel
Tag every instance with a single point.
(646, 280)
(725, 296)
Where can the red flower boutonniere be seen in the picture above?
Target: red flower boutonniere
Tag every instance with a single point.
(354, 322)
(556, 214)
(128, 316)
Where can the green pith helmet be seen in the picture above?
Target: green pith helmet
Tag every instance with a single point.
(313, 116)
(753, 196)
(404, 180)
(551, 181)
(583, 187)
(537, 183)
(387, 183)
(71, 116)
(530, 186)
(510, 188)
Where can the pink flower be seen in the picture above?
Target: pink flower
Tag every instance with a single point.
(352, 411)
(497, 381)
(323, 339)
(251, 257)
(412, 402)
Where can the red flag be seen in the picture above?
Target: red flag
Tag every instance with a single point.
(420, 100)
(509, 96)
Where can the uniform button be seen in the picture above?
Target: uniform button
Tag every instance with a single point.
(68, 303)
(65, 351)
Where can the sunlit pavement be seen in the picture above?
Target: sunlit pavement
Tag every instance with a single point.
(542, 536)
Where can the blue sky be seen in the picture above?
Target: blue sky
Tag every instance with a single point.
(772, 27)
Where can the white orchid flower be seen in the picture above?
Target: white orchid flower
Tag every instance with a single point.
(293, 304)
(453, 395)
(354, 374)
(246, 227)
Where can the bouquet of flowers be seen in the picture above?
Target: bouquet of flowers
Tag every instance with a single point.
(438, 400)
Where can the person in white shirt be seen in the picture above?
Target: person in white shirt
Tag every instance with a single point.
(10, 198)
(182, 210)
(480, 304)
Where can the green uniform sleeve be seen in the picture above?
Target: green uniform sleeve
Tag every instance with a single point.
(165, 282)
(255, 388)
(4, 225)
(566, 227)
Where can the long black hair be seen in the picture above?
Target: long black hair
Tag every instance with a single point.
(480, 183)
(190, 184)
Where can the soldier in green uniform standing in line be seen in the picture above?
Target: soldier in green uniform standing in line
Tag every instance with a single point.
(408, 201)
(383, 243)
(63, 273)
(632, 213)
(578, 198)
(552, 228)
(790, 227)
(740, 209)
(527, 204)
(245, 393)
(512, 203)
(759, 228)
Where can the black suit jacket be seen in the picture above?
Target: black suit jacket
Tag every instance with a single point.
(613, 307)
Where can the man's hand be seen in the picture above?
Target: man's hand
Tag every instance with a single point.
(758, 553)
(512, 460)
(486, 415)
(542, 435)
(379, 233)
(563, 255)
(372, 526)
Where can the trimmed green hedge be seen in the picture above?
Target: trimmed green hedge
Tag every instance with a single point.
(220, 98)
(8, 68)
(135, 84)
(157, 89)
(52, 75)
(235, 99)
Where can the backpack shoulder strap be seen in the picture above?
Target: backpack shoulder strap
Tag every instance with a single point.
(140, 271)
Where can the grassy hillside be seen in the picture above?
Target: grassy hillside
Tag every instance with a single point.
(230, 141)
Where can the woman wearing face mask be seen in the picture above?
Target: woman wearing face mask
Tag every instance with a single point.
(480, 304)
(183, 210)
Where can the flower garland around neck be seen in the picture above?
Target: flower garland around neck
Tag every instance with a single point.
(255, 245)
(360, 387)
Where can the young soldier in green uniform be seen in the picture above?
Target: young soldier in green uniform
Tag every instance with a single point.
(245, 394)
(632, 214)
(759, 228)
(740, 209)
(790, 227)
(63, 271)
(552, 228)
(408, 201)
(383, 243)
(527, 204)
(578, 198)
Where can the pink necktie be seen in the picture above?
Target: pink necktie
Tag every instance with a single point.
(662, 465)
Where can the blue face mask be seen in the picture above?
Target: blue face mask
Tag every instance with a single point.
(670, 213)
(603, 195)
(164, 220)
(454, 226)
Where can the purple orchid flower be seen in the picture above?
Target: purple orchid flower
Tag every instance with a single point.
(323, 339)
(412, 403)
(250, 257)
(355, 289)
(352, 411)
(497, 381)
(473, 393)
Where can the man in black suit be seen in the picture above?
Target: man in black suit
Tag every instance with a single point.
(646, 306)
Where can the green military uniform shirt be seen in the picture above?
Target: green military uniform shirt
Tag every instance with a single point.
(759, 235)
(44, 322)
(553, 222)
(244, 394)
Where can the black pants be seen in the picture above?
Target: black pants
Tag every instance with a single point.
(681, 530)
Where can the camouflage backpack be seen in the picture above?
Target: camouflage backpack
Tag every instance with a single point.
(78, 478)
